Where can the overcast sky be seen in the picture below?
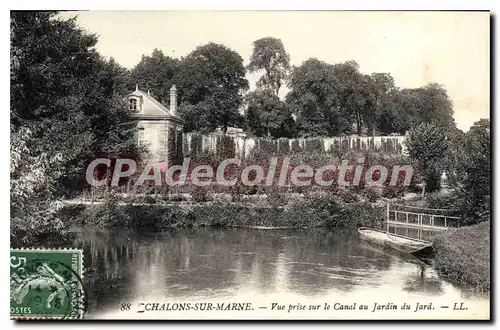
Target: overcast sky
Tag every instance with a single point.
(416, 48)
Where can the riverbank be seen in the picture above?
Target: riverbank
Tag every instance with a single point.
(463, 255)
(332, 211)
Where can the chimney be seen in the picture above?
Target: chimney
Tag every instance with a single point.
(173, 100)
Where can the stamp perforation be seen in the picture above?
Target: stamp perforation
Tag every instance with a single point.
(80, 299)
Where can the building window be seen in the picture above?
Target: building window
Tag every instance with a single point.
(140, 137)
(132, 105)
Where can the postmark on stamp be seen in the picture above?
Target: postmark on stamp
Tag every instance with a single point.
(46, 284)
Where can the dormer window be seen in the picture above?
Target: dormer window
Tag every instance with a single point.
(132, 105)
(135, 103)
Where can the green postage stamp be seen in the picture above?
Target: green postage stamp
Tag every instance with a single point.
(46, 284)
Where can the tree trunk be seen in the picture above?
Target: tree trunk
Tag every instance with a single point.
(358, 123)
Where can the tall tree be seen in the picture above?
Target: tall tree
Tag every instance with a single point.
(270, 56)
(155, 73)
(427, 144)
(353, 92)
(474, 171)
(212, 80)
(381, 89)
(64, 102)
(119, 76)
(322, 98)
(267, 115)
(62, 90)
(396, 114)
(406, 108)
(435, 106)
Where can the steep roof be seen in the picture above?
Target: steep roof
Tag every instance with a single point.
(151, 108)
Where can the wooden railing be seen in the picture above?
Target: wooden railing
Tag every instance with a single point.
(420, 217)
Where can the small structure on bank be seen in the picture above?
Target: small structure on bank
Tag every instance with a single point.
(159, 128)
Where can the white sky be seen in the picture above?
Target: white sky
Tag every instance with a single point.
(416, 48)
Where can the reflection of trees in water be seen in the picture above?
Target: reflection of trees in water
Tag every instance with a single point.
(384, 256)
(421, 281)
(198, 262)
(205, 262)
(107, 281)
(331, 259)
(176, 263)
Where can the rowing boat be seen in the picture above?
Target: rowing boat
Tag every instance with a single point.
(414, 246)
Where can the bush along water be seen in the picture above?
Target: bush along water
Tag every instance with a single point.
(332, 211)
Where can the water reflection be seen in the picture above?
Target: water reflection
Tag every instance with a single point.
(425, 234)
(423, 281)
(207, 263)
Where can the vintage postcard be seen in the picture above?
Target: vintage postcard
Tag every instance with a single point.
(257, 165)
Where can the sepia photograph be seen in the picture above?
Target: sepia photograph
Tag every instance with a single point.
(250, 165)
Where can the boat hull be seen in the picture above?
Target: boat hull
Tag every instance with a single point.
(416, 247)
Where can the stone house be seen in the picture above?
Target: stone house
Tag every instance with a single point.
(159, 128)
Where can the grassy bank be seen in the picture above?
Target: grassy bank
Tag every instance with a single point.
(326, 211)
(463, 255)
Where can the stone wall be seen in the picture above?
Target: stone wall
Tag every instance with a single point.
(195, 144)
(162, 138)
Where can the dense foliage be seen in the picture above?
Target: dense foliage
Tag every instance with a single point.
(210, 82)
(155, 73)
(466, 161)
(474, 188)
(427, 144)
(323, 99)
(269, 55)
(322, 211)
(33, 177)
(267, 115)
(65, 110)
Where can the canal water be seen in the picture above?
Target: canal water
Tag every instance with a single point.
(128, 273)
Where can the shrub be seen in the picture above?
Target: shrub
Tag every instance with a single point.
(149, 200)
(364, 214)
(277, 211)
(108, 214)
(427, 144)
(199, 195)
(438, 201)
(348, 196)
(226, 148)
(177, 198)
(33, 177)
(372, 195)
(150, 218)
(392, 192)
